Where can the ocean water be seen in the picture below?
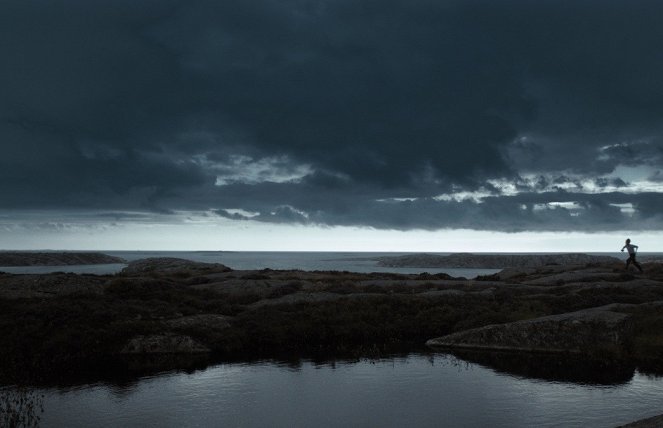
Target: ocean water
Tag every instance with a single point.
(250, 260)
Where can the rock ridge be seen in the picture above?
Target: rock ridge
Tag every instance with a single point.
(20, 258)
(600, 330)
(492, 261)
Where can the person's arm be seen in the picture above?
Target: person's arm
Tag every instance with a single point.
(636, 248)
(623, 248)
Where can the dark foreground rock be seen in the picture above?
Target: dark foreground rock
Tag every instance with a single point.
(492, 261)
(55, 323)
(595, 331)
(49, 286)
(653, 422)
(200, 322)
(19, 258)
(163, 344)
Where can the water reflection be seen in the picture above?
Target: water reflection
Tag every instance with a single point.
(481, 389)
(553, 367)
(127, 372)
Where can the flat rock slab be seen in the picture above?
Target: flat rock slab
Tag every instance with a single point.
(580, 276)
(587, 331)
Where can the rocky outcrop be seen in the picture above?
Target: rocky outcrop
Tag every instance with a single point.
(164, 344)
(172, 311)
(169, 265)
(653, 422)
(19, 258)
(491, 261)
(593, 276)
(592, 331)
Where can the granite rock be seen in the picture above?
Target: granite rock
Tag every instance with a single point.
(27, 258)
(492, 261)
(589, 331)
(169, 265)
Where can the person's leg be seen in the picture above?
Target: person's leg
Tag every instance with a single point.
(637, 264)
(628, 261)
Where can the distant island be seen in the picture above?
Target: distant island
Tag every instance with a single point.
(491, 261)
(20, 258)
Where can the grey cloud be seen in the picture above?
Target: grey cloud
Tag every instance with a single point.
(146, 105)
(634, 153)
(231, 216)
(605, 182)
(656, 176)
(543, 211)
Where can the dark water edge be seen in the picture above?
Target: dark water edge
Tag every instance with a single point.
(553, 368)
(417, 389)
(128, 369)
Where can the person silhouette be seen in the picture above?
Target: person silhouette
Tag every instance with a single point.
(632, 250)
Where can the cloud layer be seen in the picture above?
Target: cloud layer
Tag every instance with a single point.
(511, 116)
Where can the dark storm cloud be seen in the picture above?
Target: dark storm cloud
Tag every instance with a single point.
(320, 111)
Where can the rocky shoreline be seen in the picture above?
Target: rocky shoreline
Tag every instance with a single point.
(20, 258)
(492, 261)
(54, 323)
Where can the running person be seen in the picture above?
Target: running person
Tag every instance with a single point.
(632, 250)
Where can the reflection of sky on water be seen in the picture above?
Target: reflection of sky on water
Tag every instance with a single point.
(412, 391)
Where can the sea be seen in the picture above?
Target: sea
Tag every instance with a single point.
(363, 262)
(254, 260)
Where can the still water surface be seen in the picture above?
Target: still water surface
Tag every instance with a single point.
(416, 390)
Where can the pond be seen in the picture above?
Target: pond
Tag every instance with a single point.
(419, 390)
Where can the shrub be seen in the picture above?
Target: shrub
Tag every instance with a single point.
(284, 290)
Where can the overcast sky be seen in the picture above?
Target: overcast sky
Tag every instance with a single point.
(331, 125)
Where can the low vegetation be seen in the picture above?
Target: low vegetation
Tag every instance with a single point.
(20, 407)
(272, 313)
